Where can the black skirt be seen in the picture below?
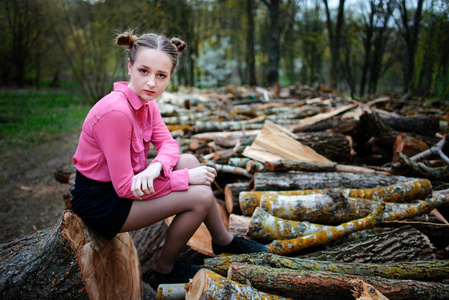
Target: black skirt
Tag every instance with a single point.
(99, 206)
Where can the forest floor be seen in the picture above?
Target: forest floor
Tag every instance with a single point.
(30, 197)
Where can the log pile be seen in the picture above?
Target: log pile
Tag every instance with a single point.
(349, 197)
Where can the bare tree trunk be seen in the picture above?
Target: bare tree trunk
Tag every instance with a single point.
(250, 60)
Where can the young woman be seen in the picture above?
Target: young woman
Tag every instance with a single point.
(117, 191)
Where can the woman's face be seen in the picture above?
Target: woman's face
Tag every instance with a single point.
(150, 73)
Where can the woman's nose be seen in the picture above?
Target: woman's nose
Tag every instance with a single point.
(151, 81)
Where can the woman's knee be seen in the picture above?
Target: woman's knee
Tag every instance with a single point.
(204, 197)
(187, 161)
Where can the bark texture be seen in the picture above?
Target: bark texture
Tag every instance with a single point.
(70, 261)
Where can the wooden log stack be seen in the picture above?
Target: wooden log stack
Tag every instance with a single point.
(376, 170)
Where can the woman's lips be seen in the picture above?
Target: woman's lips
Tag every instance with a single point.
(149, 92)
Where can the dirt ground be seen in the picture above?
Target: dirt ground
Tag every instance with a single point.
(30, 197)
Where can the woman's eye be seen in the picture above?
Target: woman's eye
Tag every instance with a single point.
(162, 76)
(143, 71)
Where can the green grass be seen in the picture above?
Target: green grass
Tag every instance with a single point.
(29, 118)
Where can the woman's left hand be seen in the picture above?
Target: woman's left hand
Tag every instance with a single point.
(142, 183)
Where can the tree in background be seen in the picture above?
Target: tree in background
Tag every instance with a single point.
(273, 41)
(408, 21)
(431, 70)
(312, 42)
(334, 32)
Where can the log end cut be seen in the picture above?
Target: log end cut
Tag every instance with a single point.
(110, 268)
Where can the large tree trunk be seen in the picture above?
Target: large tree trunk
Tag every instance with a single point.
(330, 285)
(70, 261)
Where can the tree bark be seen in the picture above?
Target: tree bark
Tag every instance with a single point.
(231, 196)
(331, 285)
(387, 246)
(70, 261)
(437, 270)
(209, 285)
(268, 181)
(336, 209)
(290, 246)
(175, 291)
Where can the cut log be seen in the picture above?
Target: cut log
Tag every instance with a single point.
(309, 166)
(238, 225)
(265, 227)
(398, 193)
(334, 146)
(230, 169)
(275, 142)
(390, 245)
(323, 116)
(175, 291)
(407, 145)
(365, 291)
(331, 285)
(334, 208)
(231, 196)
(437, 270)
(210, 285)
(270, 181)
(289, 246)
(423, 125)
(70, 261)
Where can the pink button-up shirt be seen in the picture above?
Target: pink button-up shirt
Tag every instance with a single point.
(115, 141)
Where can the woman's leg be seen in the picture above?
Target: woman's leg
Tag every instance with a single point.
(213, 221)
(191, 208)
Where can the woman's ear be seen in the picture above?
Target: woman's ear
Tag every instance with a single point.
(129, 67)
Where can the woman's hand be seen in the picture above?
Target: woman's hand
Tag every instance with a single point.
(142, 183)
(202, 175)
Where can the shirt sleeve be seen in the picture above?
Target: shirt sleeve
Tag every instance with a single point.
(113, 132)
(167, 147)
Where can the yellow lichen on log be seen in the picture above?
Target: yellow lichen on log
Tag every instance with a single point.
(285, 247)
(208, 285)
(397, 193)
(437, 270)
(266, 227)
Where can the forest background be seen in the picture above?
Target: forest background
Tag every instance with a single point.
(356, 46)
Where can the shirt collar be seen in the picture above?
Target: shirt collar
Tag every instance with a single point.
(133, 99)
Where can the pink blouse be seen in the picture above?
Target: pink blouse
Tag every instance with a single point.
(115, 141)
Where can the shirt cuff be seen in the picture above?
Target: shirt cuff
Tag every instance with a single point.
(179, 180)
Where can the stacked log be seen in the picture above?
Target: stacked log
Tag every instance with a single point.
(266, 148)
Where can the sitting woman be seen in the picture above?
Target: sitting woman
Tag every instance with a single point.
(117, 191)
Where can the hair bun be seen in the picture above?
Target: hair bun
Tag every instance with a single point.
(180, 44)
(127, 38)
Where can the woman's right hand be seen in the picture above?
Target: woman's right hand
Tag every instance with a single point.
(202, 175)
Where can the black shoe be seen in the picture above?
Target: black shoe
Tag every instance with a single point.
(181, 273)
(239, 245)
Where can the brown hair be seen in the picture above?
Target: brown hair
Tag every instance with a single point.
(172, 47)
